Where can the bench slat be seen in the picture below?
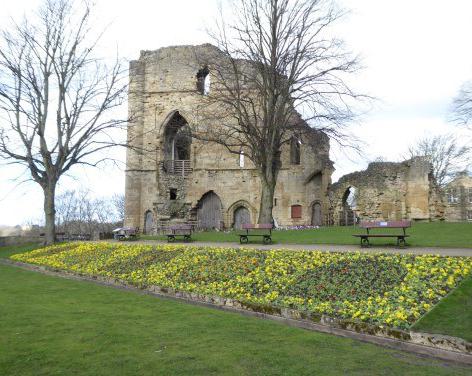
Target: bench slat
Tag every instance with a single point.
(380, 236)
(261, 226)
(385, 224)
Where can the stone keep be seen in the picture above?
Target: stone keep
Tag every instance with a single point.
(173, 177)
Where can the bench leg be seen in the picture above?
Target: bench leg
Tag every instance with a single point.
(401, 242)
(243, 239)
(170, 238)
(267, 239)
(187, 238)
(365, 242)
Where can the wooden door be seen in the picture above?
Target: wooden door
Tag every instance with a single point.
(148, 223)
(241, 217)
(209, 212)
(316, 214)
(346, 217)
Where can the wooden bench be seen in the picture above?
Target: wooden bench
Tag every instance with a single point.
(184, 230)
(264, 230)
(60, 236)
(126, 233)
(80, 237)
(368, 225)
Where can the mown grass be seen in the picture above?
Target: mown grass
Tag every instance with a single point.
(452, 315)
(52, 326)
(7, 251)
(422, 234)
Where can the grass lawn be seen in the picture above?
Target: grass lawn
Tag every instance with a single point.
(52, 326)
(422, 234)
(7, 251)
(452, 315)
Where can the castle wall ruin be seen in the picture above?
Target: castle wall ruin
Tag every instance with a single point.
(387, 191)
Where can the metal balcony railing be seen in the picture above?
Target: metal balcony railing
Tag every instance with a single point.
(177, 167)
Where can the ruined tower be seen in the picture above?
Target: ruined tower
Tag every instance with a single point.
(174, 177)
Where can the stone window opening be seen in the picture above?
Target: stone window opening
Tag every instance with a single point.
(241, 158)
(173, 194)
(296, 211)
(203, 81)
(452, 197)
(177, 145)
(349, 204)
(178, 138)
(350, 198)
(295, 144)
(275, 201)
(181, 145)
(469, 215)
(470, 195)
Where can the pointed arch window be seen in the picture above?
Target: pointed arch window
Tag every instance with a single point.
(203, 81)
(295, 145)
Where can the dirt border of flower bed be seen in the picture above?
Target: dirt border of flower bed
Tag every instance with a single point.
(434, 345)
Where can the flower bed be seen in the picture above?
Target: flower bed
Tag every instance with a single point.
(389, 289)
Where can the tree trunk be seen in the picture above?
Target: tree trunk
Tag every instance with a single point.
(267, 200)
(50, 213)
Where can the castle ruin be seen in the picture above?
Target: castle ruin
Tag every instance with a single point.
(182, 179)
(174, 177)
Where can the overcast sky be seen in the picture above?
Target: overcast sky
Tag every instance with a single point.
(416, 54)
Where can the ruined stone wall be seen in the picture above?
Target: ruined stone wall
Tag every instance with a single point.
(163, 84)
(390, 191)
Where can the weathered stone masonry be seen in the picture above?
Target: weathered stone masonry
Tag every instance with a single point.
(388, 191)
(180, 178)
(459, 198)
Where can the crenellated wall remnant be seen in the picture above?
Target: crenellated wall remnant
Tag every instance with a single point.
(387, 191)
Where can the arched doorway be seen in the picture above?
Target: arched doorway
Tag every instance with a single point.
(349, 201)
(209, 211)
(241, 217)
(148, 222)
(316, 219)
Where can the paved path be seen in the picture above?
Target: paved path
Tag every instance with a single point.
(331, 248)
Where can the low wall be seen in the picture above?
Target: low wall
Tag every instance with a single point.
(19, 240)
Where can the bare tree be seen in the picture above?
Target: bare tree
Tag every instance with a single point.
(56, 96)
(78, 212)
(276, 64)
(118, 201)
(462, 105)
(445, 154)
(66, 206)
